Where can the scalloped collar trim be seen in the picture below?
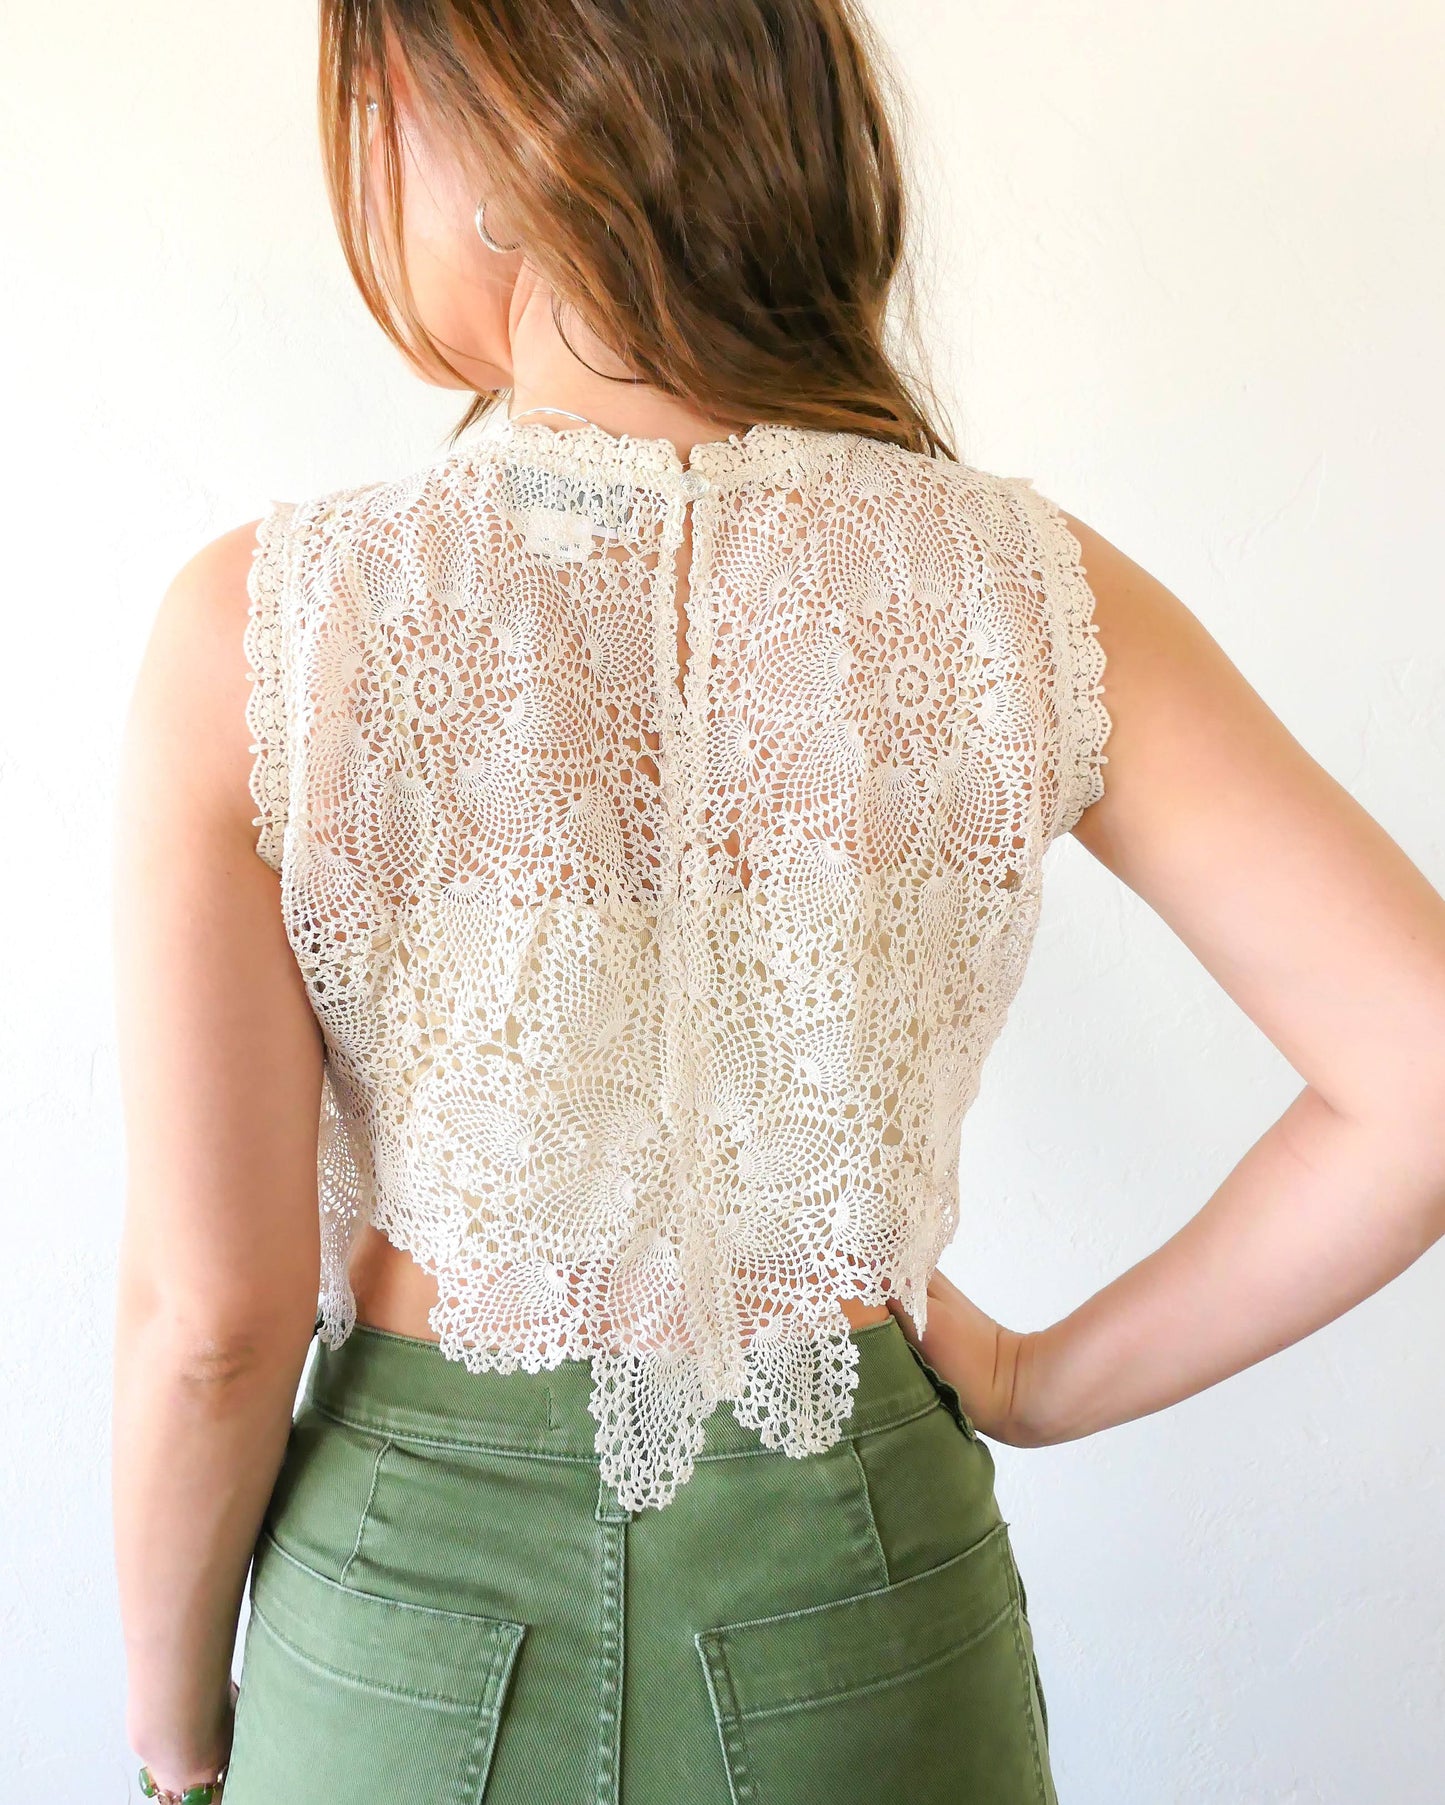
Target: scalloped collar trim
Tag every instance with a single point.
(767, 449)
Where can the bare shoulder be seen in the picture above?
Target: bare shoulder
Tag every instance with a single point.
(187, 747)
(1187, 726)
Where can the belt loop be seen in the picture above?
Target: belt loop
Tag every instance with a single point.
(609, 1509)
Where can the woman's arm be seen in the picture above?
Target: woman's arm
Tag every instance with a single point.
(1332, 941)
(221, 1063)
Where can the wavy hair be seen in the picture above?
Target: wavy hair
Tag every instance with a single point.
(714, 186)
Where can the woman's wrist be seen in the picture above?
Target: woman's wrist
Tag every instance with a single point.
(180, 1779)
(1027, 1423)
(176, 1763)
(199, 1793)
(1054, 1400)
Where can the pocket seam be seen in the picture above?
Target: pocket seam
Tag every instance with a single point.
(994, 1535)
(732, 1717)
(867, 1491)
(758, 1709)
(400, 1605)
(381, 1454)
(786, 1707)
(504, 1634)
(1029, 1667)
(475, 1721)
(1028, 1680)
(461, 1707)
(727, 1717)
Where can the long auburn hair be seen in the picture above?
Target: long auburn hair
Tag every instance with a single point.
(714, 186)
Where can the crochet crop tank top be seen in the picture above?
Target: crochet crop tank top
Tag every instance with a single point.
(655, 978)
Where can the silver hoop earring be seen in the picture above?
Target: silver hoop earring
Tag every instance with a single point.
(479, 219)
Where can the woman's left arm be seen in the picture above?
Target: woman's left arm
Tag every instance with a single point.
(1317, 924)
(221, 1067)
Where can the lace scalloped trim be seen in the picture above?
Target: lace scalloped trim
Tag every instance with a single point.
(263, 649)
(1085, 723)
(652, 1408)
(766, 452)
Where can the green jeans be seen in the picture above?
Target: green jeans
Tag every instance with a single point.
(448, 1606)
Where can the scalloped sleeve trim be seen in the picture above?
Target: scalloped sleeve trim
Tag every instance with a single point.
(1084, 720)
(264, 649)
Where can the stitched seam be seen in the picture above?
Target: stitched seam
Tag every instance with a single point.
(1026, 1671)
(872, 1519)
(365, 1510)
(727, 1718)
(502, 1624)
(989, 1540)
(479, 1756)
(857, 1434)
(790, 1706)
(1029, 1701)
(599, 1767)
(896, 1422)
(491, 1723)
(459, 1706)
(401, 1437)
(851, 1435)
(611, 1546)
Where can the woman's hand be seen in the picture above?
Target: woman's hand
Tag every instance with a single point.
(984, 1362)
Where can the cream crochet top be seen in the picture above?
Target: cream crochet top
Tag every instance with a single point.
(651, 1012)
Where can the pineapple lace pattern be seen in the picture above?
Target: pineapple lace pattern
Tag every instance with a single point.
(655, 979)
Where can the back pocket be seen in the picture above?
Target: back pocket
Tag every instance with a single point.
(346, 1695)
(920, 1690)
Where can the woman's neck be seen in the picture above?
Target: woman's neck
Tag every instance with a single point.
(549, 373)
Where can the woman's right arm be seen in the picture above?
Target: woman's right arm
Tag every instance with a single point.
(221, 1069)
(1333, 942)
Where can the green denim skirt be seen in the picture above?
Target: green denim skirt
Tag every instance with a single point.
(449, 1606)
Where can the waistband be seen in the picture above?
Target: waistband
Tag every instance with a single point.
(408, 1390)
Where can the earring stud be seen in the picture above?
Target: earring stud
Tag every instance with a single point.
(479, 219)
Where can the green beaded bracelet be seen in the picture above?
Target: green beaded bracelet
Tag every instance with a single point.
(204, 1794)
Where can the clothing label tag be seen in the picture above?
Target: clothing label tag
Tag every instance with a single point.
(555, 534)
(561, 518)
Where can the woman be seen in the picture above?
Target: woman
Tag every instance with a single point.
(653, 796)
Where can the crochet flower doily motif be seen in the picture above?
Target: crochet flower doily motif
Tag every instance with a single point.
(661, 847)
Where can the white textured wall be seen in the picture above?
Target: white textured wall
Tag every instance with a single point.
(1187, 273)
